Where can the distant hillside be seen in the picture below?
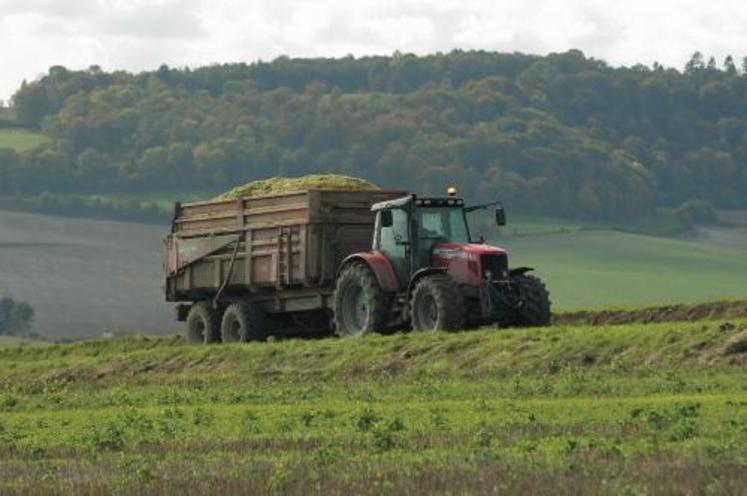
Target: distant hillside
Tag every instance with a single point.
(561, 134)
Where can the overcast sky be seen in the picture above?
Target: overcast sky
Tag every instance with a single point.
(141, 35)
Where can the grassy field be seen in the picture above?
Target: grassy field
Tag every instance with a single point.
(595, 269)
(21, 140)
(566, 410)
(84, 277)
(663, 223)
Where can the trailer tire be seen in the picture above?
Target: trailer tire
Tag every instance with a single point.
(437, 304)
(243, 321)
(536, 311)
(203, 324)
(360, 305)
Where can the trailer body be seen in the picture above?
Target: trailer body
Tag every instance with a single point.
(281, 251)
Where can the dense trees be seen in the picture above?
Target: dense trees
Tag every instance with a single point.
(561, 134)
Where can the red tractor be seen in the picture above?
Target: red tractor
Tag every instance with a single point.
(426, 271)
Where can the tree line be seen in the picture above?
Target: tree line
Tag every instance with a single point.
(562, 134)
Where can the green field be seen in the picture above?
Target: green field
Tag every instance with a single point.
(653, 261)
(567, 410)
(595, 269)
(21, 140)
(663, 223)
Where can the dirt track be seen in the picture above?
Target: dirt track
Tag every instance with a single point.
(668, 313)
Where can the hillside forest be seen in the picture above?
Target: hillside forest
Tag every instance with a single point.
(562, 134)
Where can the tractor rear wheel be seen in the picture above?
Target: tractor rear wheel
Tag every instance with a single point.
(203, 324)
(437, 304)
(243, 321)
(535, 312)
(360, 305)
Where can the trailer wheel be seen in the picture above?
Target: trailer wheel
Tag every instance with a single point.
(360, 305)
(203, 324)
(535, 312)
(437, 304)
(243, 321)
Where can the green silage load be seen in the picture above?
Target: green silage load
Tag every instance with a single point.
(277, 185)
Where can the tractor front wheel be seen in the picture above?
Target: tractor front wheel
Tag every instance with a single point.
(361, 306)
(535, 310)
(437, 304)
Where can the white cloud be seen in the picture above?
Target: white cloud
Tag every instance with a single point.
(138, 34)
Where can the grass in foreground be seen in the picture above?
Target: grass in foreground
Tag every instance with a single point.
(625, 409)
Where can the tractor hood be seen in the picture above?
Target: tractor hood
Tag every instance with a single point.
(464, 250)
(464, 261)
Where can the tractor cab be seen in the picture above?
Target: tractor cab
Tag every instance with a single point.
(418, 234)
(425, 270)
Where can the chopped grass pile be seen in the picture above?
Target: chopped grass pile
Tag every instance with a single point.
(277, 185)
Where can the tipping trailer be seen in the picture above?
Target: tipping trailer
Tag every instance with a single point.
(274, 256)
(349, 261)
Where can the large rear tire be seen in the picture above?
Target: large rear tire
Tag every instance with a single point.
(360, 305)
(437, 304)
(203, 324)
(536, 310)
(244, 321)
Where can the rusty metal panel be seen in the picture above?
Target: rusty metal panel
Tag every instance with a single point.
(262, 269)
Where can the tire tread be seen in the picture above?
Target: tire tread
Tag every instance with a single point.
(536, 311)
(377, 299)
(448, 297)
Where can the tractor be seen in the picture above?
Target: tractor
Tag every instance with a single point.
(426, 272)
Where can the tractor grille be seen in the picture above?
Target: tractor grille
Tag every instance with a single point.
(497, 265)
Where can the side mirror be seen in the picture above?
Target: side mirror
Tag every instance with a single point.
(386, 218)
(500, 215)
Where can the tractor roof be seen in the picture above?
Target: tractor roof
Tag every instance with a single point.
(396, 203)
(420, 202)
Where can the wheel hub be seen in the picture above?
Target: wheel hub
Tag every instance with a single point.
(428, 312)
(356, 310)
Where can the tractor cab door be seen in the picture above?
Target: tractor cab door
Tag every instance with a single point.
(393, 239)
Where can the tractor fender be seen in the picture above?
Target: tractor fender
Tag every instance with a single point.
(421, 274)
(520, 271)
(379, 265)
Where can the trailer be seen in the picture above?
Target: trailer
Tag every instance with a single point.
(278, 253)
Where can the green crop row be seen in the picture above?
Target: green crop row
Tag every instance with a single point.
(582, 410)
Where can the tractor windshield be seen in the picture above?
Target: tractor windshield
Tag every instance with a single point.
(446, 224)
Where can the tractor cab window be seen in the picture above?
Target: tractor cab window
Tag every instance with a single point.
(443, 225)
(432, 225)
(392, 237)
